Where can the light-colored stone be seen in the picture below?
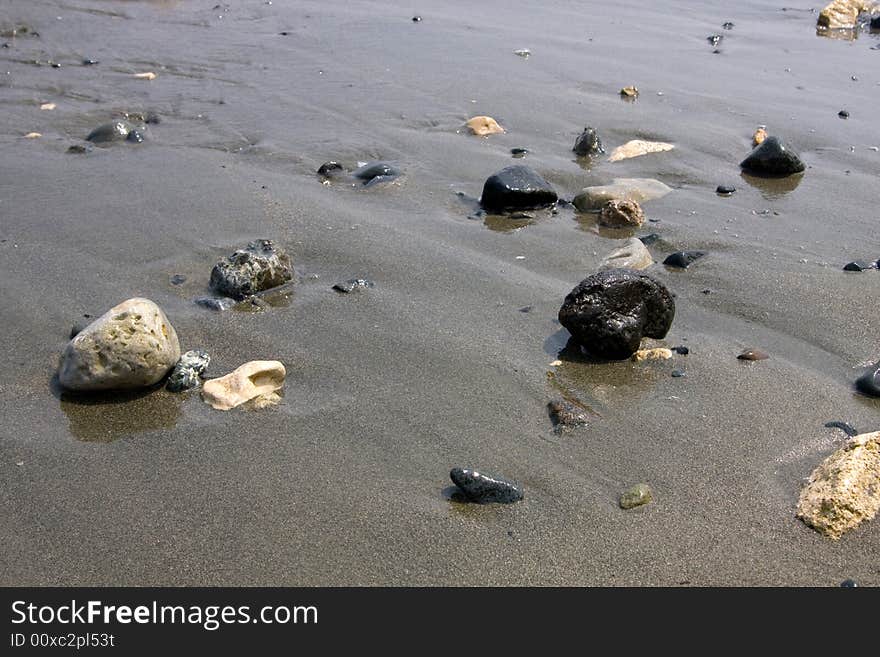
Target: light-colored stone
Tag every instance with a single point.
(149, 75)
(629, 92)
(844, 490)
(632, 255)
(759, 136)
(592, 199)
(638, 147)
(484, 125)
(132, 345)
(843, 14)
(33, 135)
(658, 353)
(257, 378)
(48, 106)
(622, 213)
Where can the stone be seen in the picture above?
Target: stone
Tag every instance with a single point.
(592, 199)
(725, 190)
(516, 187)
(843, 14)
(859, 265)
(609, 312)
(844, 490)
(638, 147)
(657, 353)
(843, 114)
(621, 213)
(630, 92)
(683, 259)
(759, 136)
(116, 131)
(566, 415)
(632, 255)
(772, 158)
(259, 266)
(353, 284)
(677, 374)
(869, 383)
(638, 495)
(218, 304)
(650, 239)
(132, 345)
(846, 427)
(373, 173)
(485, 489)
(188, 371)
(519, 151)
(329, 169)
(848, 584)
(682, 350)
(484, 125)
(875, 23)
(753, 354)
(247, 382)
(715, 39)
(80, 149)
(588, 143)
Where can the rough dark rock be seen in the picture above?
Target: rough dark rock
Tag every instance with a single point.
(683, 259)
(725, 190)
(753, 354)
(485, 489)
(215, 303)
(859, 265)
(714, 39)
(329, 169)
(116, 131)
(373, 173)
(611, 311)
(79, 149)
(846, 427)
(519, 152)
(353, 284)
(684, 351)
(869, 383)
(566, 415)
(188, 371)
(516, 187)
(843, 114)
(638, 495)
(178, 279)
(772, 158)
(259, 266)
(588, 143)
(648, 240)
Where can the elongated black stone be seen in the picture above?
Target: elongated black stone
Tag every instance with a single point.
(773, 158)
(485, 489)
(683, 259)
(517, 187)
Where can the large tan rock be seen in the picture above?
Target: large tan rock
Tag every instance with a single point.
(843, 14)
(638, 147)
(844, 490)
(591, 199)
(132, 345)
(255, 380)
(484, 125)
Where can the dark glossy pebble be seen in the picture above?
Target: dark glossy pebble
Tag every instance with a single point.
(859, 265)
(90, 62)
(588, 143)
(772, 158)
(753, 354)
(843, 114)
(714, 39)
(353, 284)
(869, 383)
(417, 19)
(728, 25)
(178, 279)
(846, 427)
(519, 152)
(329, 168)
(684, 351)
(485, 489)
(55, 64)
(725, 190)
(848, 584)
(677, 374)
(5, 45)
(516, 187)
(683, 259)
(135, 136)
(116, 131)
(373, 172)
(647, 240)
(215, 303)
(610, 312)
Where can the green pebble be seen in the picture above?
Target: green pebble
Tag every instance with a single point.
(636, 496)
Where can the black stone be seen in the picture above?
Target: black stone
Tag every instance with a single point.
(259, 266)
(677, 374)
(519, 152)
(178, 279)
(859, 265)
(843, 114)
(485, 489)
(647, 240)
(684, 351)
(611, 311)
(516, 187)
(188, 371)
(135, 136)
(714, 39)
(90, 62)
(80, 148)
(376, 172)
(588, 143)
(849, 583)
(846, 427)
(772, 158)
(77, 328)
(109, 132)
(875, 23)
(329, 168)
(417, 19)
(728, 25)
(215, 303)
(683, 259)
(152, 118)
(353, 284)
(727, 190)
(869, 383)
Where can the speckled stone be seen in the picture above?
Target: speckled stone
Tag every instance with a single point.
(485, 489)
(259, 266)
(188, 371)
(638, 495)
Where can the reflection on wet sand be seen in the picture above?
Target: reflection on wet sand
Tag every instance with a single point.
(773, 188)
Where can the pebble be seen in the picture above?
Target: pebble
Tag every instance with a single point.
(657, 353)
(519, 152)
(329, 169)
(843, 114)
(728, 25)
(714, 39)
(677, 374)
(753, 354)
(683, 259)
(592, 199)
(215, 303)
(649, 239)
(258, 266)
(116, 131)
(588, 143)
(846, 427)
(178, 279)
(725, 190)
(188, 371)
(609, 312)
(637, 148)
(523, 52)
(417, 19)
(90, 62)
(638, 495)
(80, 148)
(485, 489)
(517, 187)
(566, 415)
(869, 383)
(621, 214)
(859, 265)
(849, 583)
(632, 255)
(483, 125)
(353, 284)
(772, 157)
(629, 92)
(682, 350)
(373, 173)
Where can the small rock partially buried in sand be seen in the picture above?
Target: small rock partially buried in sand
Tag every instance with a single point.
(629, 92)
(485, 489)
(33, 135)
(753, 354)
(634, 496)
(254, 379)
(658, 353)
(844, 490)
(591, 199)
(843, 14)
(621, 214)
(484, 125)
(632, 255)
(149, 75)
(48, 106)
(132, 345)
(638, 147)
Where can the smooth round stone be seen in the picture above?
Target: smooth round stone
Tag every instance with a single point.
(517, 187)
(869, 383)
(843, 114)
(683, 259)
(849, 583)
(610, 312)
(725, 190)
(132, 345)
(109, 132)
(519, 152)
(375, 172)
(772, 157)
(591, 199)
(677, 374)
(485, 489)
(632, 255)
(566, 415)
(588, 143)
(859, 265)
(259, 266)
(753, 354)
(684, 351)
(638, 495)
(329, 168)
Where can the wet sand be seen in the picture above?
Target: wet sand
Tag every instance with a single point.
(346, 482)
